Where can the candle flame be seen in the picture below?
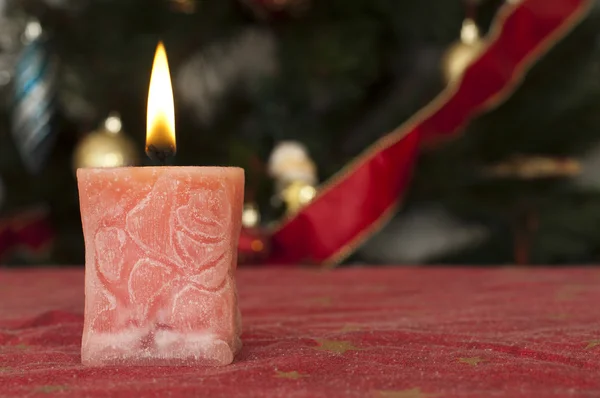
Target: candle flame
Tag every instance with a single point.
(160, 119)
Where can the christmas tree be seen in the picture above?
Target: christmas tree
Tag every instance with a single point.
(334, 76)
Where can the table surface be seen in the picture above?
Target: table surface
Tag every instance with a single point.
(369, 332)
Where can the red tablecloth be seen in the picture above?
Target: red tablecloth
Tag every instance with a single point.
(395, 332)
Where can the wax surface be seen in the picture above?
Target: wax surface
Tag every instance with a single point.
(159, 268)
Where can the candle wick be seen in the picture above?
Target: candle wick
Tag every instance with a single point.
(160, 155)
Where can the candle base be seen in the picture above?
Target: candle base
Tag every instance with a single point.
(138, 347)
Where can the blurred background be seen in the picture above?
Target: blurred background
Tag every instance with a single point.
(257, 82)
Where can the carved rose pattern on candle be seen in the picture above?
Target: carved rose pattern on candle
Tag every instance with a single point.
(162, 276)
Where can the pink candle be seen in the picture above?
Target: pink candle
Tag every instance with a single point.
(160, 257)
(161, 252)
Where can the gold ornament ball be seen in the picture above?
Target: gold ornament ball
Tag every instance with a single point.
(297, 195)
(106, 147)
(458, 58)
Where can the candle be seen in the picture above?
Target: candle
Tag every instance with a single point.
(161, 251)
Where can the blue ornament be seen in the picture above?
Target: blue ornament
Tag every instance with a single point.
(34, 101)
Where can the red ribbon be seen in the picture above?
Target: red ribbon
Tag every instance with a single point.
(360, 198)
(27, 233)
